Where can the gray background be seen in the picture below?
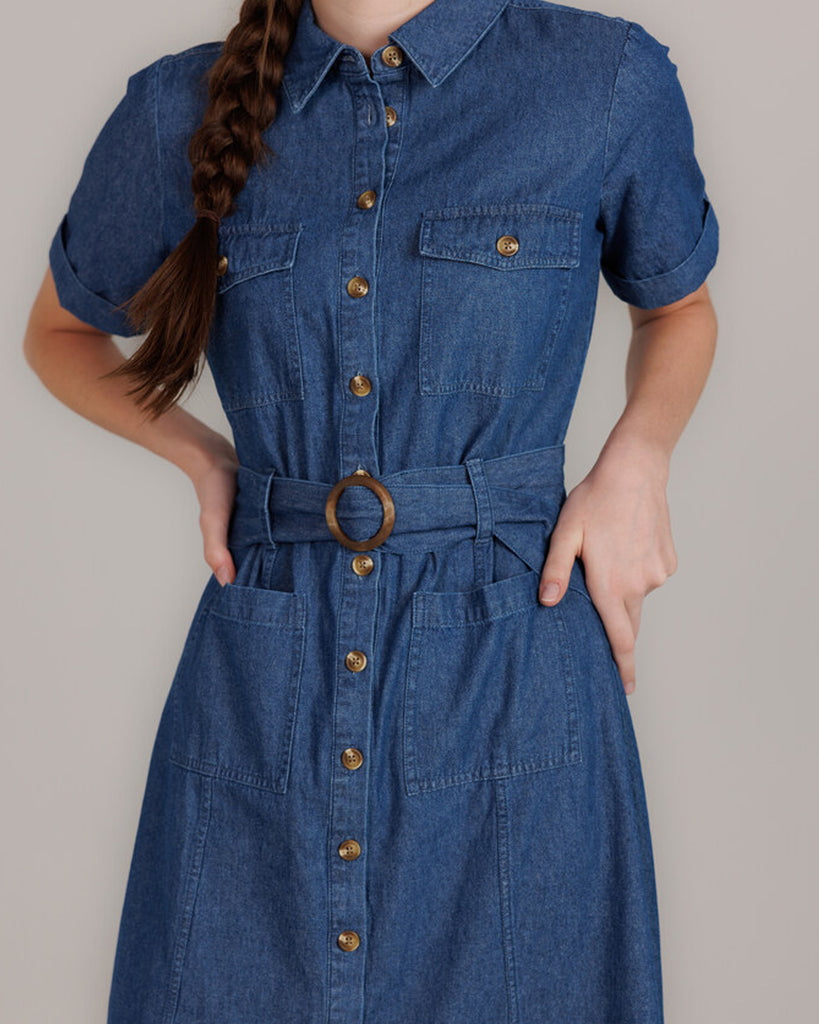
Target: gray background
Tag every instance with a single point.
(103, 562)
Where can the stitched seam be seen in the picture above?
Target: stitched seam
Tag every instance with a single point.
(194, 872)
(551, 8)
(192, 51)
(626, 38)
(551, 210)
(505, 898)
(160, 189)
(560, 757)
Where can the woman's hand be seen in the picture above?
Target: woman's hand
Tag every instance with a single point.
(617, 521)
(215, 484)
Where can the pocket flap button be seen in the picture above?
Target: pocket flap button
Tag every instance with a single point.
(507, 245)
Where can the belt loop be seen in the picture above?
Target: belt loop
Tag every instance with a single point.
(484, 528)
(267, 509)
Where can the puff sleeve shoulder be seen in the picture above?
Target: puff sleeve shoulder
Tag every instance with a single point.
(110, 240)
(660, 231)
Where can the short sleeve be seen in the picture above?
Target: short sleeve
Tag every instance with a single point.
(109, 242)
(660, 231)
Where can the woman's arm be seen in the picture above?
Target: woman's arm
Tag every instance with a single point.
(617, 519)
(69, 356)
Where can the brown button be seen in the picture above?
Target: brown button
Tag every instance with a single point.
(392, 56)
(366, 199)
(356, 661)
(507, 245)
(349, 941)
(357, 287)
(363, 565)
(392, 116)
(352, 758)
(349, 850)
(221, 266)
(360, 385)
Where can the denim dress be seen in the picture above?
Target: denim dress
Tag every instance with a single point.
(388, 785)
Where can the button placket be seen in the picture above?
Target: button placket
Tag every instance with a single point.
(359, 574)
(351, 739)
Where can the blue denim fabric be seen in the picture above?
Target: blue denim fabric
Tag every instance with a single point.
(475, 744)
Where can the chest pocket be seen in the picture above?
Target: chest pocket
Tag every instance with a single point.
(495, 280)
(254, 352)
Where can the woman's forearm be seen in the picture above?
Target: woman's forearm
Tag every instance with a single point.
(70, 361)
(669, 360)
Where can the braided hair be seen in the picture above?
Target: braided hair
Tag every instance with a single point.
(176, 304)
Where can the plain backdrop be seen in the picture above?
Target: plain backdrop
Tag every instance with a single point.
(102, 559)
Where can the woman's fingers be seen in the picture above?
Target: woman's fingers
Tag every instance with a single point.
(564, 546)
(213, 524)
(622, 533)
(618, 618)
(216, 490)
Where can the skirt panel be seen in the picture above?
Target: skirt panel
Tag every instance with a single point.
(504, 868)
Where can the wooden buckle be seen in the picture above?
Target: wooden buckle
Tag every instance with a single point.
(361, 479)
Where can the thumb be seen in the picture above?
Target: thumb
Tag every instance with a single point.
(554, 577)
(216, 551)
(223, 568)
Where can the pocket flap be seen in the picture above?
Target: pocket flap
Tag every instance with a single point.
(529, 541)
(253, 249)
(547, 235)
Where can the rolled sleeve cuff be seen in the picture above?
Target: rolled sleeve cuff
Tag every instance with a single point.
(686, 277)
(77, 299)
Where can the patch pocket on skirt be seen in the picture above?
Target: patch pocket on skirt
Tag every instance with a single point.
(494, 286)
(489, 689)
(236, 688)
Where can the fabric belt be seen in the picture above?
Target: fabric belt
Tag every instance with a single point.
(434, 505)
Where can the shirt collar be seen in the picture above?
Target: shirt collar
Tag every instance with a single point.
(436, 40)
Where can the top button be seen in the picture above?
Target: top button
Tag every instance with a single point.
(392, 56)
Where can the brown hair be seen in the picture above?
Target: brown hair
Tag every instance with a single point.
(176, 304)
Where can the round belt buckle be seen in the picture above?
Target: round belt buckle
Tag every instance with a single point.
(387, 506)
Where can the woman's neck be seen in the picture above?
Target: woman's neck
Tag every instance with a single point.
(364, 24)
